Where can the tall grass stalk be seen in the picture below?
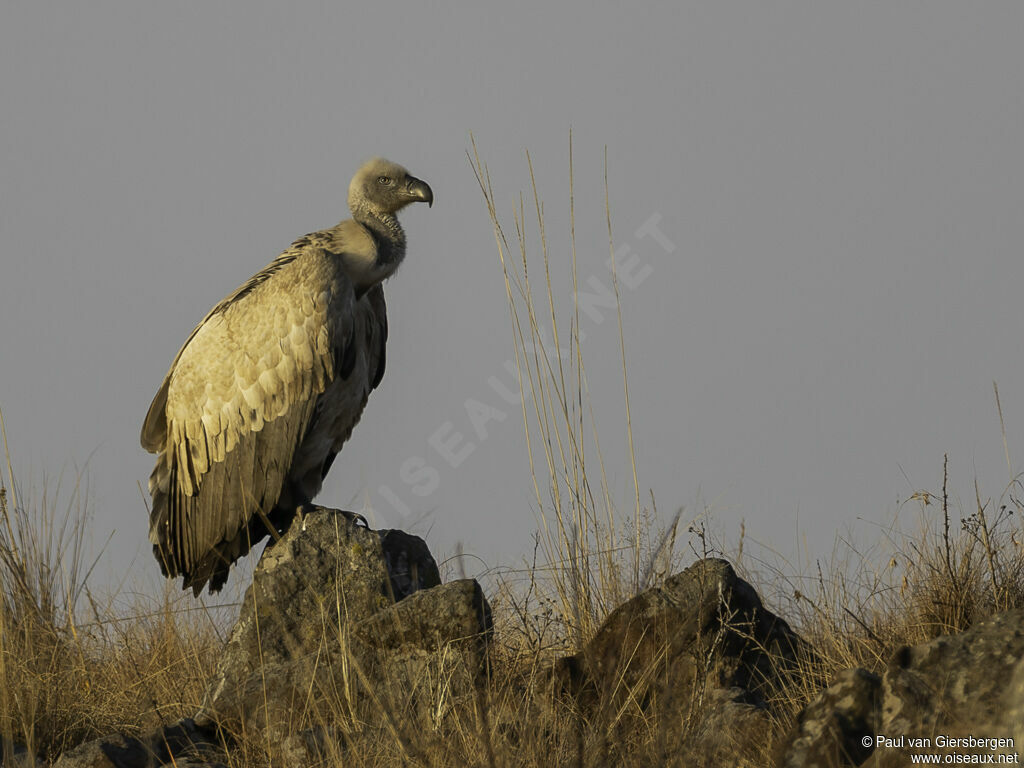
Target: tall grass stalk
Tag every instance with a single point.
(596, 559)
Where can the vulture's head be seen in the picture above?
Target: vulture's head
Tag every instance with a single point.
(384, 188)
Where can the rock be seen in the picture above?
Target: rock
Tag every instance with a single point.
(703, 625)
(955, 685)
(430, 648)
(968, 685)
(327, 611)
(953, 678)
(1013, 706)
(830, 731)
(408, 562)
(730, 730)
(456, 611)
(182, 744)
(700, 650)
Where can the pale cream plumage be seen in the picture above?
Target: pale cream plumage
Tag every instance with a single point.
(269, 385)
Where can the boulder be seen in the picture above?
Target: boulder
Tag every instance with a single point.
(701, 650)
(704, 625)
(182, 744)
(964, 686)
(958, 686)
(830, 731)
(327, 611)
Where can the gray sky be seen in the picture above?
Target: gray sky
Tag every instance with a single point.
(835, 285)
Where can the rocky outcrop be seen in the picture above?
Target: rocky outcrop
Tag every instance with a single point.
(955, 686)
(832, 729)
(967, 686)
(701, 648)
(359, 620)
(333, 606)
(704, 623)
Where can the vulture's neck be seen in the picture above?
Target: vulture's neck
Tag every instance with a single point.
(389, 238)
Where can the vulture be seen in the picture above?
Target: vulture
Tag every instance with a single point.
(267, 388)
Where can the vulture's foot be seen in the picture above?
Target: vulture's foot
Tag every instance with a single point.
(352, 517)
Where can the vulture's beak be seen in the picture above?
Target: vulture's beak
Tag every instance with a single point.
(420, 190)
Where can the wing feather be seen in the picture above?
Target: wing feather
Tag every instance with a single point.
(154, 427)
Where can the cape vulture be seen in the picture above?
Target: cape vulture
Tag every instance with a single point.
(268, 387)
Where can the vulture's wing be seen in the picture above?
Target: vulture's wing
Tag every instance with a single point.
(234, 407)
(154, 428)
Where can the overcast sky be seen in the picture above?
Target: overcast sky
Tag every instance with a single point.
(823, 202)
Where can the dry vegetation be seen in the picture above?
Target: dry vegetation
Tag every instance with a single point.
(75, 665)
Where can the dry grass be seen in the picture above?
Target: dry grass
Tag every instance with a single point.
(75, 666)
(72, 666)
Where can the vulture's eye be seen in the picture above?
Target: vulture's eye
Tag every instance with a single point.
(385, 180)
